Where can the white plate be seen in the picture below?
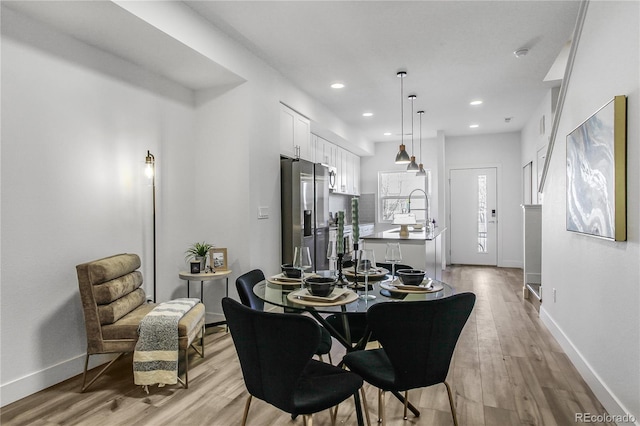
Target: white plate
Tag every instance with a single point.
(339, 296)
(427, 286)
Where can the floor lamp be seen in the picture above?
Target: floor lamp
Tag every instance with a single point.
(150, 171)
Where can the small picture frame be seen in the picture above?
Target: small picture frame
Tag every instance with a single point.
(195, 267)
(218, 258)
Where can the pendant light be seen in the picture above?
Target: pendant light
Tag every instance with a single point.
(412, 167)
(402, 157)
(421, 172)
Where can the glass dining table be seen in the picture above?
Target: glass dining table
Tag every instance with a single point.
(284, 293)
(280, 292)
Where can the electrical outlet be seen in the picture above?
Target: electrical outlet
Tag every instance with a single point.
(263, 212)
(554, 295)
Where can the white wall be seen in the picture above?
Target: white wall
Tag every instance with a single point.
(502, 151)
(596, 316)
(77, 123)
(535, 139)
(74, 142)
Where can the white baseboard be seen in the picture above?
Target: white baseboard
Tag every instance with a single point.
(601, 390)
(511, 264)
(39, 380)
(532, 278)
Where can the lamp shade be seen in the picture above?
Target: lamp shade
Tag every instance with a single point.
(402, 157)
(413, 166)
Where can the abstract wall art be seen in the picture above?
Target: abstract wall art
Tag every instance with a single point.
(596, 173)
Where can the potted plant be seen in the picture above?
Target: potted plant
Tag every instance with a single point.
(199, 251)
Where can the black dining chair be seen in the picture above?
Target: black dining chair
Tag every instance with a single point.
(358, 320)
(431, 326)
(244, 285)
(275, 352)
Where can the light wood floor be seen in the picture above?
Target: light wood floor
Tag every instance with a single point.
(507, 370)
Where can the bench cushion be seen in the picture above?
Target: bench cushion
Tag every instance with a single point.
(126, 327)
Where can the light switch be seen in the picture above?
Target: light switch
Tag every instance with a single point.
(263, 212)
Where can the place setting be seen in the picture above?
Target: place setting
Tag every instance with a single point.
(410, 281)
(293, 274)
(322, 291)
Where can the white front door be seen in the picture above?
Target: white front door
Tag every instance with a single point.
(473, 216)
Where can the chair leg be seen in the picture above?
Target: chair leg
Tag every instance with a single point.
(246, 410)
(186, 368)
(365, 406)
(406, 403)
(381, 406)
(84, 374)
(308, 420)
(202, 341)
(334, 414)
(453, 408)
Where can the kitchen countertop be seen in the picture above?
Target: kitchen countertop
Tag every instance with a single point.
(394, 234)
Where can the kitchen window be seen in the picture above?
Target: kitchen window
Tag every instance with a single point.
(394, 189)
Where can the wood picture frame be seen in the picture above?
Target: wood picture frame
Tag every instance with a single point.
(218, 259)
(596, 174)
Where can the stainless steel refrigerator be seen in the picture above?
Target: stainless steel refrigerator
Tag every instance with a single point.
(305, 210)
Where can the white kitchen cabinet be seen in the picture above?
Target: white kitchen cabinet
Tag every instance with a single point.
(295, 134)
(348, 173)
(347, 164)
(353, 174)
(324, 151)
(342, 170)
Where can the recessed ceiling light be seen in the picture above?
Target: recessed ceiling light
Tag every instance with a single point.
(474, 126)
(387, 133)
(337, 85)
(521, 52)
(367, 114)
(477, 102)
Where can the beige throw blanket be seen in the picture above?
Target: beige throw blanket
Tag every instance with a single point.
(155, 360)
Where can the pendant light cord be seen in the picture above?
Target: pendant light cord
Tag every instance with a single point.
(420, 113)
(402, 110)
(413, 98)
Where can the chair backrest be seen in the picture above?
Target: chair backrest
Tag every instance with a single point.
(244, 285)
(419, 337)
(273, 350)
(110, 288)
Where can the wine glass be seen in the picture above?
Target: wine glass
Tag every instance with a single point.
(393, 255)
(366, 264)
(332, 255)
(302, 259)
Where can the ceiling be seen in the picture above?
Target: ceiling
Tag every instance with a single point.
(453, 51)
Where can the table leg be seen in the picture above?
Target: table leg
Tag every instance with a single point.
(356, 397)
(410, 406)
(202, 291)
(188, 282)
(226, 293)
(345, 326)
(339, 337)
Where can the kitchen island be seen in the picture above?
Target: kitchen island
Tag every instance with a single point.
(421, 249)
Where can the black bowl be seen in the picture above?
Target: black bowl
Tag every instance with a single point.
(320, 286)
(290, 272)
(410, 276)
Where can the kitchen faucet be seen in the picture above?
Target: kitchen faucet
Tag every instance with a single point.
(426, 199)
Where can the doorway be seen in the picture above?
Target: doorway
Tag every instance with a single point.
(473, 219)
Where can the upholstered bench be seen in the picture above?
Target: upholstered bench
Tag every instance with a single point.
(114, 303)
